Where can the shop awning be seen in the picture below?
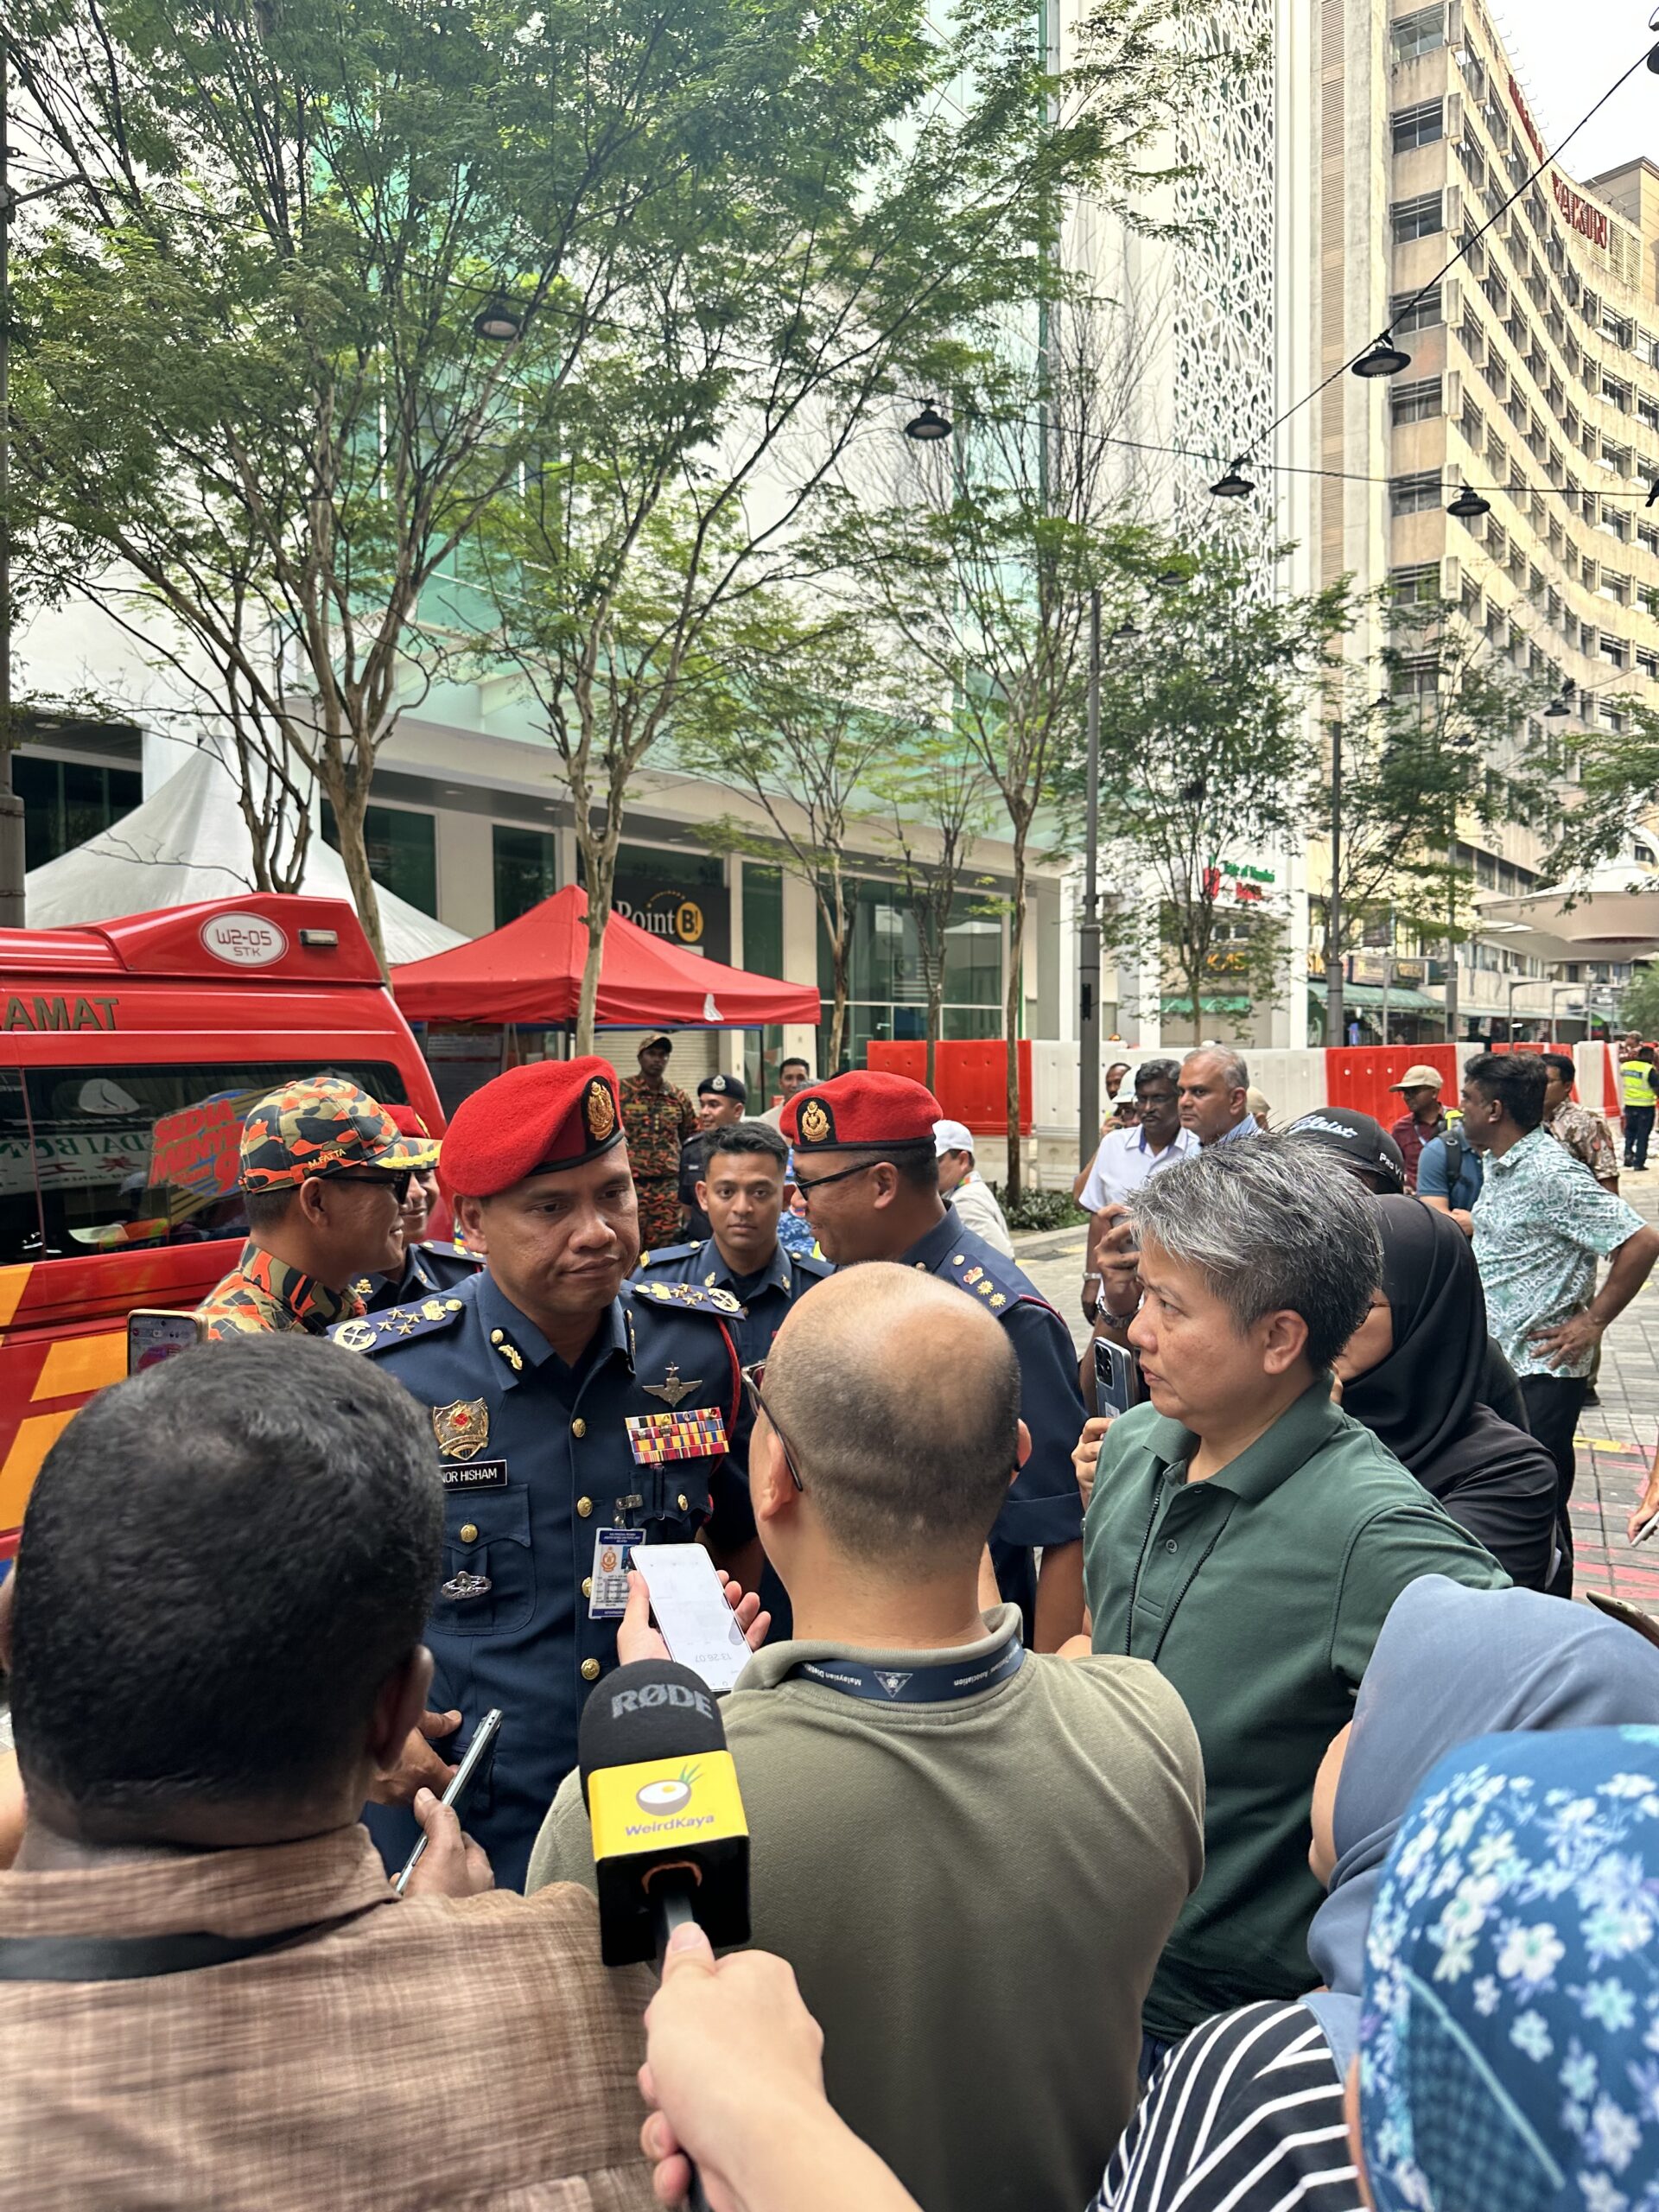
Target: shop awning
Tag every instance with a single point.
(1402, 998)
(531, 972)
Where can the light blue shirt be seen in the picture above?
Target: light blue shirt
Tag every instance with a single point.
(1541, 1223)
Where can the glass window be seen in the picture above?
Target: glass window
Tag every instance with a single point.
(403, 851)
(1415, 403)
(526, 870)
(1413, 495)
(1407, 311)
(763, 919)
(111, 1159)
(1418, 126)
(886, 987)
(1418, 218)
(1419, 34)
(66, 802)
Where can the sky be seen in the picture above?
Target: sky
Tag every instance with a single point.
(1566, 56)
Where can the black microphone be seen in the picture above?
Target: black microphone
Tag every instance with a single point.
(671, 1843)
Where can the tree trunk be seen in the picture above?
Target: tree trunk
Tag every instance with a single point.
(838, 1003)
(935, 1023)
(601, 886)
(350, 805)
(1011, 1003)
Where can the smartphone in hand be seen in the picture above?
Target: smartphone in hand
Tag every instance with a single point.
(1117, 1379)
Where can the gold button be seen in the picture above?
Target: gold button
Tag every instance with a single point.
(590, 1671)
(587, 1586)
(495, 1335)
(578, 1427)
(469, 1532)
(584, 1506)
(956, 1259)
(682, 1501)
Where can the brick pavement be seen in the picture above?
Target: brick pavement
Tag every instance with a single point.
(1616, 1437)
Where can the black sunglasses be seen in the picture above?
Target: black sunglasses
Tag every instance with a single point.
(753, 1378)
(822, 1182)
(397, 1182)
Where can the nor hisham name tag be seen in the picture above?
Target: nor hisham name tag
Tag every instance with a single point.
(476, 1474)
(607, 1600)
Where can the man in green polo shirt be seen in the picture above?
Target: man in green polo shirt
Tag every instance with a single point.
(1249, 1537)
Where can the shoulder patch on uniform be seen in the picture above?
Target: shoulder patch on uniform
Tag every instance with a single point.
(811, 1264)
(659, 1254)
(421, 1317)
(687, 1297)
(451, 1251)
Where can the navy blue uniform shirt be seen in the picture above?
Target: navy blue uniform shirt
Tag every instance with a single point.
(1044, 1506)
(536, 1460)
(430, 1270)
(766, 1301)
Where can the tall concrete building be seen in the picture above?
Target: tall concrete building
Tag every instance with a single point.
(1533, 379)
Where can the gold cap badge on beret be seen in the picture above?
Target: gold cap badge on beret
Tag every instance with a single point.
(816, 1125)
(601, 1112)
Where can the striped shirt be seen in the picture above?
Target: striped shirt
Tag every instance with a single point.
(1244, 2115)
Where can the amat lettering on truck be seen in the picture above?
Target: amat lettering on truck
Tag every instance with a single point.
(130, 1051)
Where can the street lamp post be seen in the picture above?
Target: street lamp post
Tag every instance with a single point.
(1088, 977)
(1333, 1007)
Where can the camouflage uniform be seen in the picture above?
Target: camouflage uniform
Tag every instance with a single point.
(321, 1127)
(657, 1121)
(262, 1292)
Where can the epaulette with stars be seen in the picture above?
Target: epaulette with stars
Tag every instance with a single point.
(971, 1274)
(811, 1264)
(450, 1251)
(659, 1253)
(687, 1297)
(374, 1332)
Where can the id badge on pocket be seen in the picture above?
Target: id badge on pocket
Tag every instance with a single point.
(607, 1600)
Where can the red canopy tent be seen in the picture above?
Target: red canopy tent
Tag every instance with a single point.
(531, 972)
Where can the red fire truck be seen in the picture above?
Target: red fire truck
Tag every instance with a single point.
(129, 1052)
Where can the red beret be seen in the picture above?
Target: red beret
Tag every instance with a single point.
(556, 1113)
(407, 1122)
(864, 1108)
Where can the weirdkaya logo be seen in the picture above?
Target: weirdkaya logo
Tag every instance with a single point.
(664, 1799)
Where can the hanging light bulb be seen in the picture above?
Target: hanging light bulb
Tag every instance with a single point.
(1382, 359)
(500, 320)
(928, 427)
(1235, 485)
(1468, 506)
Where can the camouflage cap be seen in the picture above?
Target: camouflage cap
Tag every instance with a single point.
(319, 1128)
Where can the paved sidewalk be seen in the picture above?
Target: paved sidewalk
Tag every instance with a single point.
(1616, 1438)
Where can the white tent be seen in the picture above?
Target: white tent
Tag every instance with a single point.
(188, 840)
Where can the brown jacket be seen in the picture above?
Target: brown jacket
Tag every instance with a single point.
(426, 2053)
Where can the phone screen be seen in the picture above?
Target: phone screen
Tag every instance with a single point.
(697, 1624)
(1115, 1376)
(154, 1334)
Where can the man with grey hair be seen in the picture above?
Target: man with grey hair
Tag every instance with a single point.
(1249, 1537)
(1214, 1096)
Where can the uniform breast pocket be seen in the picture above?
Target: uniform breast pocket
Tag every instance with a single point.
(682, 1507)
(485, 1537)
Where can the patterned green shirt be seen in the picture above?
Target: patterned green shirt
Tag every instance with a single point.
(262, 1292)
(1541, 1223)
(658, 1121)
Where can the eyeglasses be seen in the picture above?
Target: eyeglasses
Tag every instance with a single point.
(753, 1378)
(822, 1182)
(397, 1182)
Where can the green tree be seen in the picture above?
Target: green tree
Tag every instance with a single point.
(1207, 761)
(1615, 788)
(983, 559)
(1638, 1005)
(803, 715)
(908, 191)
(1432, 729)
(939, 801)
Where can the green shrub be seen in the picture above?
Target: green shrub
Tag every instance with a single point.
(1042, 1210)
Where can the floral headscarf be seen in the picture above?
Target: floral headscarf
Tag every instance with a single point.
(1510, 2041)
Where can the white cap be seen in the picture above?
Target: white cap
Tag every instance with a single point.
(952, 1136)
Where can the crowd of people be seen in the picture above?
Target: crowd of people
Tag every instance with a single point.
(1212, 1805)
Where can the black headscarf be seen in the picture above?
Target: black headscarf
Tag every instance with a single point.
(1424, 1400)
